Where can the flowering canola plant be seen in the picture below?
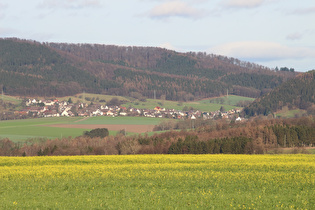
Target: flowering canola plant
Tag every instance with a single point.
(158, 181)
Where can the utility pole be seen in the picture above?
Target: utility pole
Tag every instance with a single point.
(154, 95)
(84, 97)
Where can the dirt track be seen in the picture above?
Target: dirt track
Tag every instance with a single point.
(129, 128)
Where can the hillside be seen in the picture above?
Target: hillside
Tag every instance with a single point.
(296, 93)
(29, 68)
(34, 69)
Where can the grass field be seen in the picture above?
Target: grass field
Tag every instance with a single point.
(232, 100)
(10, 99)
(158, 182)
(121, 120)
(92, 97)
(21, 130)
(290, 113)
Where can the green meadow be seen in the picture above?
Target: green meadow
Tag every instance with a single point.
(90, 97)
(232, 100)
(206, 105)
(285, 113)
(21, 130)
(10, 99)
(121, 120)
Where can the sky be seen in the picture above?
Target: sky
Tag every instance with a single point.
(268, 32)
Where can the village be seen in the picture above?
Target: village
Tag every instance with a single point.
(56, 108)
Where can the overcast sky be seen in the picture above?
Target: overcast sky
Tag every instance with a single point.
(268, 32)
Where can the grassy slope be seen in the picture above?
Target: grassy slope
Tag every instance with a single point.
(10, 99)
(285, 113)
(97, 97)
(211, 104)
(203, 105)
(230, 100)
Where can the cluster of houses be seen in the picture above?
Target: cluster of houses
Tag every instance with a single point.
(55, 108)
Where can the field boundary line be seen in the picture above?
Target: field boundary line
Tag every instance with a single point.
(85, 118)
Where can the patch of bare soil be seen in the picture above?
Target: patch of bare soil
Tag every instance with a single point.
(128, 128)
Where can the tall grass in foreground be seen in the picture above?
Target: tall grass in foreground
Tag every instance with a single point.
(158, 182)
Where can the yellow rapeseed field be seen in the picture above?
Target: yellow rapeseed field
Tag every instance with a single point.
(158, 182)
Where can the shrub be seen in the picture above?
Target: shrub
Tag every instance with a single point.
(98, 132)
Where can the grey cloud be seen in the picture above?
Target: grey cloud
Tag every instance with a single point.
(260, 50)
(242, 3)
(175, 9)
(2, 10)
(304, 11)
(294, 36)
(69, 4)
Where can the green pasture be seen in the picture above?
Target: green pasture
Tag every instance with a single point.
(21, 130)
(10, 99)
(290, 113)
(231, 100)
(82, 97)
(38, 121)
(23, 133)
(203, 105)
(121, 120)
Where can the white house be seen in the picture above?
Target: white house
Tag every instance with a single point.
(97, 112)
(49, 103)
(123, 113)
(238, 119)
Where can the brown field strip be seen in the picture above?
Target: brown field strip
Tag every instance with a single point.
(128, 128)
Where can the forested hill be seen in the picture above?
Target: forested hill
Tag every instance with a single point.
(56, 69)
(296, 93)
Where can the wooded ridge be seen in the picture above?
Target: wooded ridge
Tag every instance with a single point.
(295, 93)
(30, 68)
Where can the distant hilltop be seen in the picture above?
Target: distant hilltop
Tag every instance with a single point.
(297, 93)
(30, 68)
